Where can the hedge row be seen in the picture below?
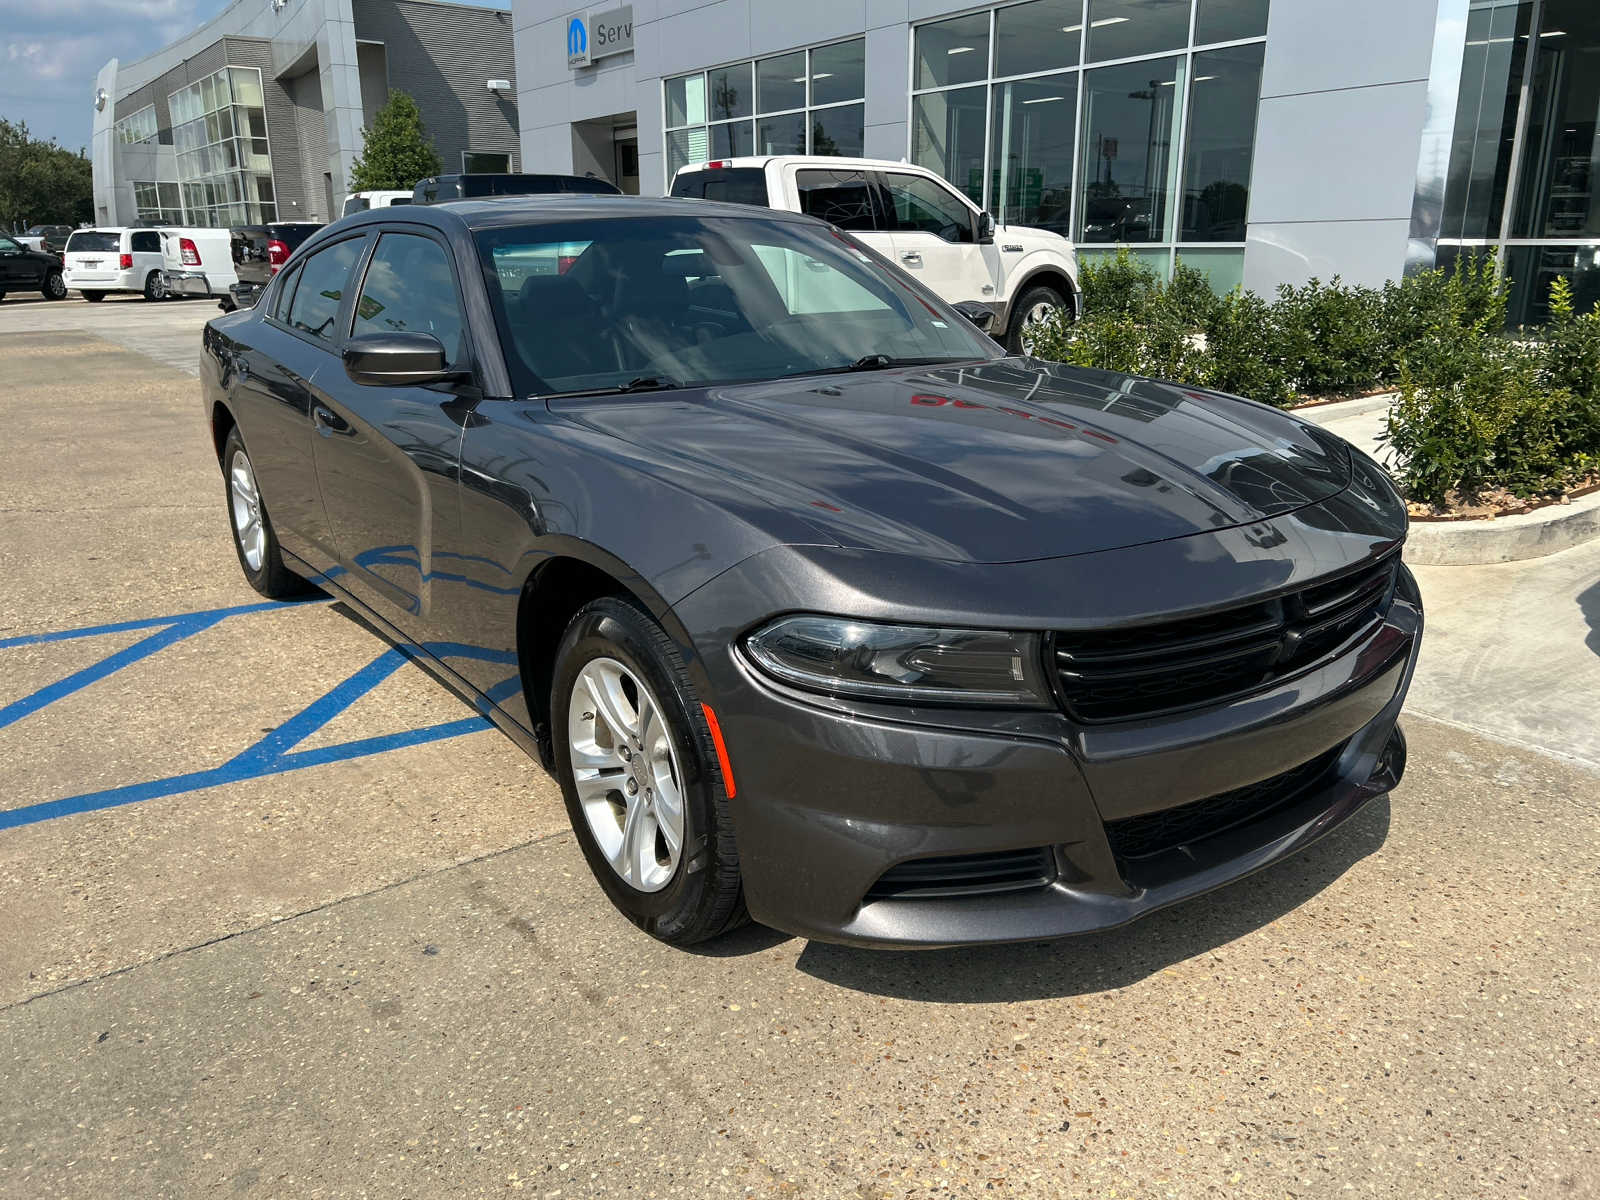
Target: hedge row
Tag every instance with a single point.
(1478, 409)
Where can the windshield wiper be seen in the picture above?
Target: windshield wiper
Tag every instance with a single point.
(644, 383)
(882, 362)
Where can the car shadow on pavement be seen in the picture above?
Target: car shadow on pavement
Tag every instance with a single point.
(1589, 606)
(1104, 961)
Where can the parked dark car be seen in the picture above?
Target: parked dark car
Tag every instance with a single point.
(818, 606)
(259, 251)
(24, 270)
(440, 188)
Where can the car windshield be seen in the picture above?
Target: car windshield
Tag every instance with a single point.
(630, 304)
(93, 239)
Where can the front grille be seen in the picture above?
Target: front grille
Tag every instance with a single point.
(1154, 833)
(966, 875)
(1148, 670)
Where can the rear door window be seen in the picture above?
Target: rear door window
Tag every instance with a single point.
(324, 279)
(146, 241)
(848, 199)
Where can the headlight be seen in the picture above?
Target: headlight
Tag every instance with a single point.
(906, 663)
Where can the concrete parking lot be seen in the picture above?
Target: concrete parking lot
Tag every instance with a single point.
(279, 915)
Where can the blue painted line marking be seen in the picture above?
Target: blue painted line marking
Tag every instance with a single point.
(273, 754)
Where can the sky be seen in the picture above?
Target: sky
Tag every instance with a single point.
(51, 50)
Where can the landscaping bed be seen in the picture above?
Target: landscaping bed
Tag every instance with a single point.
(1484, 424)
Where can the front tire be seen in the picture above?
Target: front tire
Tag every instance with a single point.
(640, 776)
(154, 289)
(55, 287)
(1034, 305)
(253, 536)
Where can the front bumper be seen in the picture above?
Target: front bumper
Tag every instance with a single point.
(849, 797)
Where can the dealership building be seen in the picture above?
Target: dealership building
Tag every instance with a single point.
(258, 114)
(1265, 142)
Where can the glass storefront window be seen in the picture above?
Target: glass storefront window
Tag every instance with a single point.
(1532, 269)
(1223, 269)
(1159, 261)
(1560, 171)
(1220, 143)
(1229, 20)
(781, 83)
(951, 52)
(781, 135)
(730, 92)
(1486, 120)
(1130, 119)
(1042, 36)
(947, 136)
(222, 150)
(1031, 151)
(838, 72)
(1126, 28)
(830, 120)
(839, 130)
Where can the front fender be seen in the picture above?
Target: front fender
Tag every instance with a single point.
(1022, 272)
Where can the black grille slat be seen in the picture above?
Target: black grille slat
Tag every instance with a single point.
(966, 875)
(1148, 670)
(1158, 832)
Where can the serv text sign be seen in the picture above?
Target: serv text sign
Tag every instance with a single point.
(599, 34)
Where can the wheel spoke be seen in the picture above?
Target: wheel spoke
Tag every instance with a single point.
(590, 755)
(627, 859)
(611, 705)
(596, 786)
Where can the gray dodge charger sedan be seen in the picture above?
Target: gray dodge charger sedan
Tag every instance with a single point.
(821, 609)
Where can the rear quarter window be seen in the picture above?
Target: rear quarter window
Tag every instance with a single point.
(146, 242)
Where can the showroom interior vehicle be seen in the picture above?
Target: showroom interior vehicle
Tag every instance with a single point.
(822, 608)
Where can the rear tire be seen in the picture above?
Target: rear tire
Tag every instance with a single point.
(54, 287)
(253, 538)
(93, 297)
(154, 289)
(614, 669)
(1033, 305)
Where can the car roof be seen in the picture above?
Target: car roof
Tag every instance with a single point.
(493, 212)
(803, 160)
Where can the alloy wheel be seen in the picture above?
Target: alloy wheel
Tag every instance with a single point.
(55, 286)
(626, 773)
(1033, 318)
(245, 501)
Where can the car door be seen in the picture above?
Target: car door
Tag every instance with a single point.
(387, 457)
(294, 341)
(17, 269)
(145, 245)
(936, 237)
(850, 198)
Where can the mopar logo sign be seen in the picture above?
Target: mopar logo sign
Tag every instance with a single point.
(599, 34)
(577, 43)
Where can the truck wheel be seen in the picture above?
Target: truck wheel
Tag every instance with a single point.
(55, 287)
(1033, 306)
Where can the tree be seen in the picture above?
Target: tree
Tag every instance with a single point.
(41, 182)
(398, 150)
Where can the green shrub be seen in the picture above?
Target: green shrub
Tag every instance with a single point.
(1190, 296)
(1331, 337)
(1481, 410)
(1246, 354)
(1153, 343)
(1425, 315)
(1118, 283)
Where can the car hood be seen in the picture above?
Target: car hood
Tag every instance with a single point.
(1004, 461)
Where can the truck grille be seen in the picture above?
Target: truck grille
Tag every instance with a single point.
(1154, 833)
(1148, 670)
(966, 875)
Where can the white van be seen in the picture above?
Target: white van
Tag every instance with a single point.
(361, 201)
(197, 262)
(97, 261)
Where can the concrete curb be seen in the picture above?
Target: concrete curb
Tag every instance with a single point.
(1543, 531)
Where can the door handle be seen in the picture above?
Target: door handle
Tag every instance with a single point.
(327, 421)
(911, 256)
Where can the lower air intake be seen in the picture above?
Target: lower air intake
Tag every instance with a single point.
(966, 875)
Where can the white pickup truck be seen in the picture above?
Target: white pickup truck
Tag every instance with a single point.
(919, 222)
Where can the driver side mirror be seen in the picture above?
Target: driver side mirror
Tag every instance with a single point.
(396, 359)
(985, 229)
